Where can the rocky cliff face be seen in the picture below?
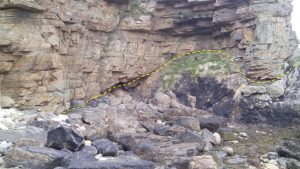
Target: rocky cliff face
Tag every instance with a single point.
(54, 51)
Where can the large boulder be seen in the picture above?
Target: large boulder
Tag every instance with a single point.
(34, 157)
(64, 138)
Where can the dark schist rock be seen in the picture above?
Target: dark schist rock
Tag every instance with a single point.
(214, 95)
(290, 149)
(34, 157)
(64, 138)
(144, 149)
(168, 130)
(293, 164)
(212, 123)
(76, 158)
(89, 149)
(189, 123)
(106, 147)
(191, 137)
(161, 130)
(127, 140)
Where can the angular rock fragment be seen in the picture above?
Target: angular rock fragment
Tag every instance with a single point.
(106, 147)
(64, 138)
(89, 149)
(189, 122)
(125, 139)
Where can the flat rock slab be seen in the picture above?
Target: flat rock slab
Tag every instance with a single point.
(114, 163)
(106, 147)
(176, 151)
(34, 157)
(14, 136)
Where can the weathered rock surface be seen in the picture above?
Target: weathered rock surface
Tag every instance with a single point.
(189, 122)
(66, 50)
(89, 150)
(34, 157)
(114, 163)
(290, 149)
(106, 147)
(203, 162)
(293, 164)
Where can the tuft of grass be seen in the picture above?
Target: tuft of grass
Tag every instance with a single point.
(136, 10)
(197, 65)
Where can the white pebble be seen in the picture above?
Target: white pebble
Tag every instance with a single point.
(228, 150)
(3, 127)
(87, 143)
(217, 138)
(159, 121)
(4, 146)
(243, 135)
(234, 142)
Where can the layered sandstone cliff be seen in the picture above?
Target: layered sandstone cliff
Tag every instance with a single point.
(54, 51)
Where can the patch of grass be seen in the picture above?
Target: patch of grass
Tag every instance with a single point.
(197, 65)
(136, 10)
(296, 60)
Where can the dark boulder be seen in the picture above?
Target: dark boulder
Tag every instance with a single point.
(161, 130)
(89, 149)
(127, 140)
(106, 147)
(190, 137)
(293, 164)
(212, 123)
(64, 138)
(290, 149)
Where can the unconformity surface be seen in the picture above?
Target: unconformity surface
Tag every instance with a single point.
(52, 52)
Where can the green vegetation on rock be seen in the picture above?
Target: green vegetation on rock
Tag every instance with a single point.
(197, 65)
(296, 58)
(136, 9)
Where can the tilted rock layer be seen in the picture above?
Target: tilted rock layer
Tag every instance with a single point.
(54, 51)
